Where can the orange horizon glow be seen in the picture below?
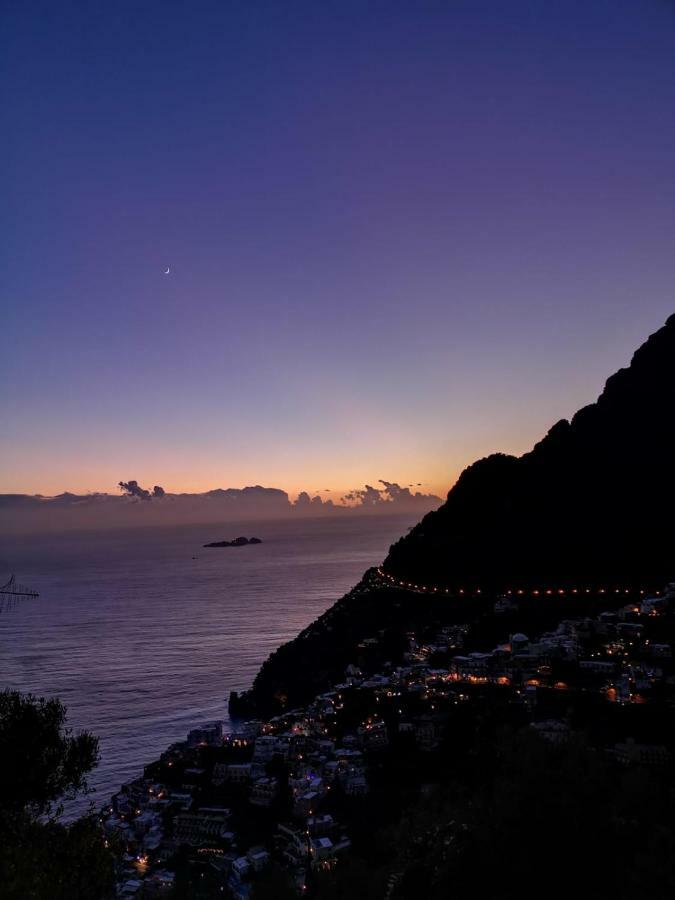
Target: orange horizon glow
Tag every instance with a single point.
(201, 487)
(313, 468)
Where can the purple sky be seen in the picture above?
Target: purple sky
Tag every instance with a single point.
(401, 235)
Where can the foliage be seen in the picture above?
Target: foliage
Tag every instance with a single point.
(512, 816)
(49, 861)
(44, 763)
(561, 816)
(275, 884)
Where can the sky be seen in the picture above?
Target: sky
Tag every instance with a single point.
(400, 236)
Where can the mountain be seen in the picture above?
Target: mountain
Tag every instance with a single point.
(592, 502)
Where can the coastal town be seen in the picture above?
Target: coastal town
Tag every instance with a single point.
(296, 795)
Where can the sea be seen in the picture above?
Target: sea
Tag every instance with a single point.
(143, 633)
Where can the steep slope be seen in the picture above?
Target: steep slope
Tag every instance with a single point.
(592, 504)
(593, 501)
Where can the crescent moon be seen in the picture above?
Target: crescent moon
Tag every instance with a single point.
(167, 271)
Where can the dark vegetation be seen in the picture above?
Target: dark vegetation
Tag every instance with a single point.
(495, 811)
(317, 657)
(503, 814)
(43, 764)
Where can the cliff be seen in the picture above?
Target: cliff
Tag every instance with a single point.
(591, 504)
(592, 501)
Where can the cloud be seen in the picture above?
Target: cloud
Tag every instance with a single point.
(367, 496)
(133, 489)
(304, 502)
(388, 496)
(136, 504)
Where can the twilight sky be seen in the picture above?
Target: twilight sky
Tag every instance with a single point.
(402, 235)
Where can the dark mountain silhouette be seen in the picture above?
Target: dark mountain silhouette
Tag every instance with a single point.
(592, 504)
(593, 501)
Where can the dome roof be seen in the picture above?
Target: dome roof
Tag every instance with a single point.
(519, 637)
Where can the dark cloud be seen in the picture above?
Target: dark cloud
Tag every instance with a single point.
(370, 496)
(136, 504)
(304, 501)
(133, 489)
(388, 496)
(367, 496)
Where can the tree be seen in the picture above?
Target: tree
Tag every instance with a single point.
(274, 884)
(565, 817)
(43, 764)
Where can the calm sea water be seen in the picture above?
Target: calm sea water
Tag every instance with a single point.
(142, 642)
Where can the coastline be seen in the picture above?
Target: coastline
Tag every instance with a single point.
(230, 800)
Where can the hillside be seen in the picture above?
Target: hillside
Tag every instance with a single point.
(592, 501)
(590, 505)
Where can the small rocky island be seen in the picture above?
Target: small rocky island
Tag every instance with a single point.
(237, 542)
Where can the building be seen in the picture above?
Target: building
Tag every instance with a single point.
(238, 773)
(264, 791)
(630, 752)
(552, 730)
(305, 804)
(201, 828)
(210, 735)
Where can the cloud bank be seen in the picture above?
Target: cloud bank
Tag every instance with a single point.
(136, 505)
(390, 496)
